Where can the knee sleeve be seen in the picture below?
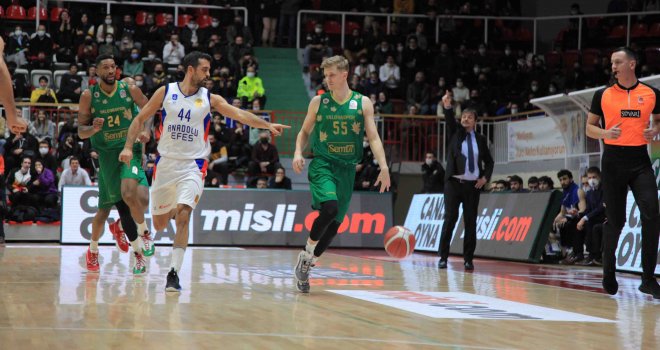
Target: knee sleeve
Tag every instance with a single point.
(127, 221)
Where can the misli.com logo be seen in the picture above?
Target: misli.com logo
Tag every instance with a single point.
(284, 219)
(492, 226)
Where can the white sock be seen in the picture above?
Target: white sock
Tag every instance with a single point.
(94, 246)
(309, 248)
(141, 228)
(177, 259)
(136, 246)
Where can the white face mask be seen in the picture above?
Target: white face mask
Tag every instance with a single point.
(43, 150)
(428, 161)
(482, 51)
(514, 110)
(138, 83)
(108, 40)
(365, 144)
(507, 52)
(460, 85)
(215, 24)
(318, 30)
(191, 25)
(41, 33)
(593, 182)
(152, 56)
(108, 21)
(535, 88)
(250, 74)
(476, 70)
(18, 32)
(375, 161)
(552, 90)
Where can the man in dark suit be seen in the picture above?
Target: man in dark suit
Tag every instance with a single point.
(469, 168)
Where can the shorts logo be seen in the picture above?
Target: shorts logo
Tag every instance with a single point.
(175, 96)
(196, 199)
(631, 113)
(352, 104)
(162, 206)
(134, 170)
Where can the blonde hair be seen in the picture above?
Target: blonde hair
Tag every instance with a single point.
(340, 62)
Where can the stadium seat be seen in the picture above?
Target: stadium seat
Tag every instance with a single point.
(15, 12)
(204, 21)
(141, 18)
(36, 73)
(57, 78)
(32, 13)
(200, 12)
(398, 106)
(332, 27)
(507, 34)
(350, 26)
(654, 31)
(639, 30)
(2, 12)
(183, 20)
(24, 72)
(524, 35)
(652, 55)
(552, 59)
(309, 26)
(160, 19)
(55, 14)
(569, 57)
(588, 56)
(618, 32)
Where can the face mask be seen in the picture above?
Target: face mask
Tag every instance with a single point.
(108, 40)
(264, 140)
(134, 56)
(18, 33)
(375, 161)
(318, 30)
(152, 56)
(534, 87)
(158, 71)
(250, 74)
(586, 188)
(514, 110)
(215, 24)
(476, 70)
(108, 21)
(384, 49)
(139, 83)
(191, 26)
(399, 48)
(507, 52)
(552, 90)
(593, 182)
(428, 161)
(482, 51)
(43, 150)
(365, 144)
(41, 33)
(460, 85)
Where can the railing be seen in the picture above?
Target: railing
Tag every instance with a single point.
(485, 22)
(176, 7)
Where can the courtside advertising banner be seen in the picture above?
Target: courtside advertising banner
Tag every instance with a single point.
(535, 139)
(509, 226)
(245, 217)
(629, 249)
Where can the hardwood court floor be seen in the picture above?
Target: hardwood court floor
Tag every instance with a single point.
(360, 299)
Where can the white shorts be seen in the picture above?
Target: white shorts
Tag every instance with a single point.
(175, 182)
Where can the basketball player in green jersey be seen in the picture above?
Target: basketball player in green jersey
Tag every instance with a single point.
(106, 112)
(336, 122)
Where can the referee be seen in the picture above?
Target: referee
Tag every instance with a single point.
(625, 109)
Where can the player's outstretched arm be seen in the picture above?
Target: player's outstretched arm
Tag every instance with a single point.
(154, 104)
(15, 123)
(375, 144)
(219, 104)
(303, 134)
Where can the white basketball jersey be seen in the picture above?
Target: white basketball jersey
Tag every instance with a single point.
(185, 123)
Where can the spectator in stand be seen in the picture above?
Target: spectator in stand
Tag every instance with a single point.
(355, 47)
(365, 181)
(74, 175)
(573, 205)
(43, 186)
(516, 184)
(3, 141)
(482, 59)
(133, 65)
(287, 23)
(70, 85)
(83, 30)
(219, 61)
(64, 39)
(280, 180)
(41, 61)
(461, 92)
(192, 37)
(433, 174)
(87, 51)
(585, 183)
(237, 50)
(533, 184)
(127, 28)
(90, 79)
(422, 41)
(237, 28)
(419, 94)
(239, 146)
(262, 182)
(413, 59)
(139, 82)
(316, 47)
(66, 150)
(383, 50)
(43, 93)
(218, 163)
(157, 79)
(68, 124)
(19, 82)
(42, 128)
(18, 183)
(371, 85)
(594, 215)
(41, 42)
(169, 27)
(546, 184)
(265, 158)
(173, 51)
(251, 88)
(390, 75)
(500, 186)
(108, 47)
(18, 47)
(125, 47)
(150, 35)
(46, 157)
(383, 104)
(367, 159)
(364, 69)
(93, 164)
(104, 29)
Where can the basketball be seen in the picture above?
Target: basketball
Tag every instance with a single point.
(399, 242)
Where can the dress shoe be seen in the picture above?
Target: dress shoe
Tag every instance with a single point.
(469, 266)
(442, 264)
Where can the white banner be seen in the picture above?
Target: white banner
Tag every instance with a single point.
(535, 139)
(425, 218)
(629, 249)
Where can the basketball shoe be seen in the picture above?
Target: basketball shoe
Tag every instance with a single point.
(302, 269)
(119, 236)
(172, 282)
(92, 261)
(149, 248)
(140, 265)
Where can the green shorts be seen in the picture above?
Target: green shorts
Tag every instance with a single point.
(330, 180)
(112, 171)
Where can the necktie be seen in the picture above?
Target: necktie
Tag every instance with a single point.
(470, 153)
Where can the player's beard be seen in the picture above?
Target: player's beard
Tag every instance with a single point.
(105, 79)
(200, 83)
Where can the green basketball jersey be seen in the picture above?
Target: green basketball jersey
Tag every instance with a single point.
(339, 129)
(118, 109)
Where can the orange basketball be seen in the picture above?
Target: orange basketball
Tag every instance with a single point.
(399, 242)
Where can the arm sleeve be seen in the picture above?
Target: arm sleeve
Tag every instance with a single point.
(596, 107)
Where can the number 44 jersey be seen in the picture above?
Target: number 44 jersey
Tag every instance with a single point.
(184, 124)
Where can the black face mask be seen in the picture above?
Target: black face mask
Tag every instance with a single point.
(264, 141)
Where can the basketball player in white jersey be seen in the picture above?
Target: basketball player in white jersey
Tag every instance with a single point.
(178, 177)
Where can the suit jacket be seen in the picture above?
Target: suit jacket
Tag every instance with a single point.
(455, 159)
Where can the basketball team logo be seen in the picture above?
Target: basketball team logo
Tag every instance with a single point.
(122, 93)
(640, 100)
(198, 102)
(175, 97)
(97, 95)
(326, 101)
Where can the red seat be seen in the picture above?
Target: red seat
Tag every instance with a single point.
(654, 31)
(199, 11)
(141, 18)
(43, 13)
(552, 59)
(183, 20)
(204, 21)
(2, 12)
(160, 19)
(15, 12)
(639, 30)
(523, 34)
(55, 14)
(652, 55)
(588, 56)
(593, 22)
(332, 27)
(618, 32)
(350, 26)
(507, 34)
(569, 57)
(309, 26)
